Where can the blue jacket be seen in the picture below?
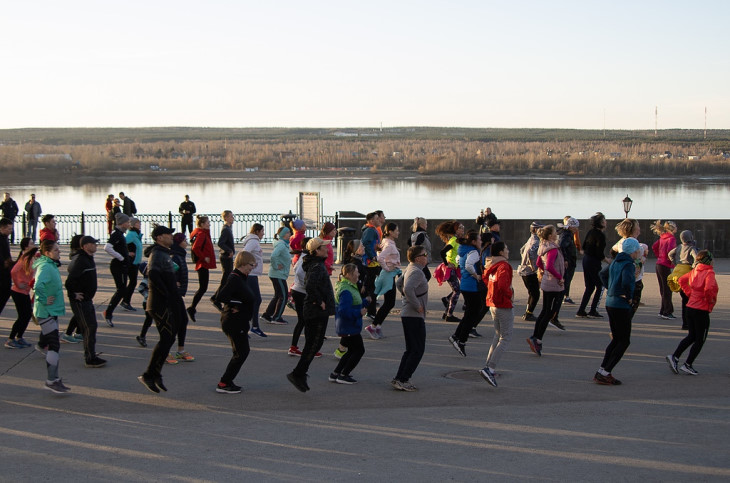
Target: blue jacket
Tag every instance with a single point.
(135, 238)
(348, 318)
(468, 283)
(621, 282)
(370, 239)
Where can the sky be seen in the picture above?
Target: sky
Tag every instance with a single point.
(485, 64)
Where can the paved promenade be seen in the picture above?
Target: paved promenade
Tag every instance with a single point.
(546, 421)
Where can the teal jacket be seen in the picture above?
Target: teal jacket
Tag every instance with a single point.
(280, 256)
(135, 238)
(47, 284)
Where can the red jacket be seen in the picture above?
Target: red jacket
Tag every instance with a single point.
(701, 287)
(203, 247)
(498, 277)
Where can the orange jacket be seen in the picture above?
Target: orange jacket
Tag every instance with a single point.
(701, 287)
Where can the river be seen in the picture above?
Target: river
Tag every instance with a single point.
(405, 197)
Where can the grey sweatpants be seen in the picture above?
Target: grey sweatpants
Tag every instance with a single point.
(504, 321)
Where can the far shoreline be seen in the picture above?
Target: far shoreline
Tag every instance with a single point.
(48, 176)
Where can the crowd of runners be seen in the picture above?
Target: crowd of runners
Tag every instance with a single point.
(474, 263)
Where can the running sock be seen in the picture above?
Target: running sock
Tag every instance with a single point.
(603, 372)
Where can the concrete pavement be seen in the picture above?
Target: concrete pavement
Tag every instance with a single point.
(547, 420)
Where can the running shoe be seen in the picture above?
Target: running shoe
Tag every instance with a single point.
(408, 387)
(345, 379)
(57, 386)
(78, 337)
(673, 363)
(608, 380)
(258, 331)
(474, 333)
(96, 362)
(373, 333)
(339, 353)
(294, 351)
(278, 321)
(267, 318)
(70, 339)
(171, 359)
(149, 383)
(529, 317)
(191, 313)
(488, 376)
(452, 318)
(568, 301)
(300, 382)
(333, 377)
(128, 307)
(23, 343)
(379, 330)
(12, 344)
(159, 384)
(141, 341)
(688, 369)
(230, 388)
(458, 345)
(594, 314)
(556, 323)
(581, 314)
(184, 356)
(535, 346)
(108, 320)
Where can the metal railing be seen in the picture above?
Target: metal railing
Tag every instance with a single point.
(95, 224)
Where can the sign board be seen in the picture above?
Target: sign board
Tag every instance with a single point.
(309, 208)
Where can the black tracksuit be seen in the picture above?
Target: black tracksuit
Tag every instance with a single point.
(82, 279)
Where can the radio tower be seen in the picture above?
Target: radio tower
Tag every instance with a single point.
(656, 119)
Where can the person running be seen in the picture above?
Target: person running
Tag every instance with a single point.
(164, 303)
(552, 266)
(473, 289)
(328, 232)
(73, 333)
(664, 265)
(629, 228)
(701, 288)
(594, 247)
(135, 248)
(319, 304)
(500, 300)
(414, 288)
(528, 271)
(81, 285)
(620, 291)
(370, 240)
(22, 275)
(348, 324)
(419, 236)
(117, 248)
(389, 261)
(10, 210)
(252, 244)
(227, 247)
(279, 267)
(48, 305)
(204, 257)
(298, 292)
(49, 231)
(567, 232)
(298, 229)
(236, 300)
(34, 210)
(450, 232)
(683, 257)
(6, 262)
(187, 210)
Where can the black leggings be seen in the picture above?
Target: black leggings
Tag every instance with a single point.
(24, 309)
(119, 272)
(591, 269)
(203, 278)
(476, 309)
(371, 273)
(620, 323)
(532, 284)
(315, 329)
(167, 327)
(237, 333)
(550, 306)
(299, 306)
(388, 303)
(698, 323)
(355, 351)
(276, 306)
(131, 283)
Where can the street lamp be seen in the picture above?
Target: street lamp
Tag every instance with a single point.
(627, 205)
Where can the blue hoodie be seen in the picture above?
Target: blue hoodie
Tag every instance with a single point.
(621, 282)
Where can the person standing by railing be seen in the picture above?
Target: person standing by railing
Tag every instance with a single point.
(187, 210)
(34, 210)
(129, 208)
(9, 210)
(117, 248)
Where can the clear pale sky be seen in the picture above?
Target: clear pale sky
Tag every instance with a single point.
(558, 64)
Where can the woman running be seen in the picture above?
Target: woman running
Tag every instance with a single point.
(664, 265)
(22, 275)
(473, 289)
(204, 258)
(252, 244)
(389, 260)
(701, 288)
(419, 237)
(280, 264)
(500, 298)
(348, 324)
(528, 271)
(683, 257)
(594, 247)
(450, 232)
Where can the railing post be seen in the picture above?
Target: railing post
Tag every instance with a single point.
(25, 230)
(83, 224)
(169, 219)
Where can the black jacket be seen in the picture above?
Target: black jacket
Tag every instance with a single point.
(81, 276)
(318, 289)
(9, 209)
(129, 208)
(594, 244)
(119, 245)
(225, 242)
(567, 246)
(163, 293)
(187, 206)
(179, 256)
(237, 299)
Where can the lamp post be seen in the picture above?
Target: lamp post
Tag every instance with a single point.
(627, 205)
